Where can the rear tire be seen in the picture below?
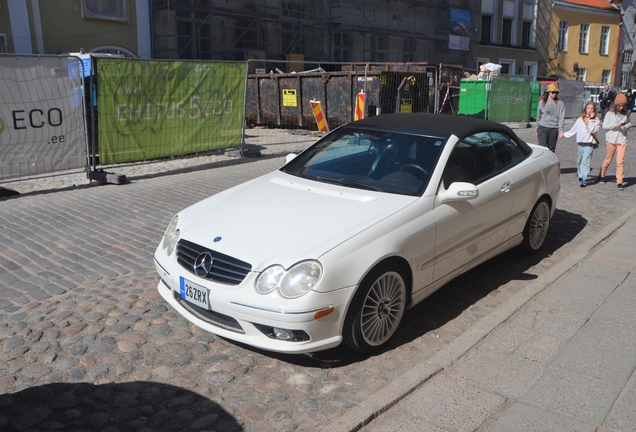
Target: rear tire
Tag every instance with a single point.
(376, 309)
(536, 229)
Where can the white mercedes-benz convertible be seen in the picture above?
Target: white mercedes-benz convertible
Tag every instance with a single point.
(370, 220)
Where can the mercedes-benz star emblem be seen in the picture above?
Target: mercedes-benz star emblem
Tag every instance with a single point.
(203, 264)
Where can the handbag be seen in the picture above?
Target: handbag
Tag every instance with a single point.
(595, 142)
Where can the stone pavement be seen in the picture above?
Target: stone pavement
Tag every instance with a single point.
(86, 342)
(559, 356)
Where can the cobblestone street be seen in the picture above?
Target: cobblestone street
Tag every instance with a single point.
(87, 343)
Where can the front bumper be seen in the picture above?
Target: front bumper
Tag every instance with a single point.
(243, 318)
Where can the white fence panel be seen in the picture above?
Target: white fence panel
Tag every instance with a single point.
(42, 128)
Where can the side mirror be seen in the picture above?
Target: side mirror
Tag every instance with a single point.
(289, 157)
(459, 191)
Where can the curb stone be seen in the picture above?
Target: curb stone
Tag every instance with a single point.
(417, 376)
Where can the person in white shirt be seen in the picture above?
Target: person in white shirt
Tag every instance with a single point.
(616, 125)
(585, 128)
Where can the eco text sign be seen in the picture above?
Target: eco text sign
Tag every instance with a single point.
(154, 109)
(41, 116)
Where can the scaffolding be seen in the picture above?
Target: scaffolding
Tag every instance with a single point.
(316, 31)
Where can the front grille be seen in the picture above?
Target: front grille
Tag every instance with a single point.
(225, 269)
(210, 317)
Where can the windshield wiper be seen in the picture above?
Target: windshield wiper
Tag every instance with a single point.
(347, 182)
(295, 174)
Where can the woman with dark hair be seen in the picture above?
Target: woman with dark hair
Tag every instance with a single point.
(616, 125)
(550, 118)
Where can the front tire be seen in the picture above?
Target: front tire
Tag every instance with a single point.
(536, 229)
(376, 309)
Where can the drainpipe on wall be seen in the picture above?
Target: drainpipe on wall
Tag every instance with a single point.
(618, 51)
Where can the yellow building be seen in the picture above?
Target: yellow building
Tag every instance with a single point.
(65, 26)
(584, 41)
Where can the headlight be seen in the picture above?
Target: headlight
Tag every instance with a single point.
(171, 237)
(295, 282)
(270, 279)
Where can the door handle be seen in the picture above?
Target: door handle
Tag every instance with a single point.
(505, 188)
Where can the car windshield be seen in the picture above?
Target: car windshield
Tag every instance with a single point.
(383, 161)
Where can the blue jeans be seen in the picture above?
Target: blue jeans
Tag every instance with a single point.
(583, 160)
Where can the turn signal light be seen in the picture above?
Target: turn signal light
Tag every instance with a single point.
(324, 312)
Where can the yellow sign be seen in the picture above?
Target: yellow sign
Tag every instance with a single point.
(406, 106)
(382, 79)
(289, 98)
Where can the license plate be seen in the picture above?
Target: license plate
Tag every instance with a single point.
(194, 293)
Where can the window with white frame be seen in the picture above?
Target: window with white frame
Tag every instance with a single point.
(563, 36)
(506, 32)
(507, 66)
(580, 74)
(409, 48)
(605, 35)
(584, 38)
(342, 47)
(526, 34)
(530, 69)
(607, 73)
(624, 79)
(486, 29)
(292, 35)
(627, 56)
(382, 48)
(112, 10)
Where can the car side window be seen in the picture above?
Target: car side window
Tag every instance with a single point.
(473, 160)
(506, 149)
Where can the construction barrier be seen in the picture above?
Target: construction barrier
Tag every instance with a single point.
(41, 116)
(186, 108)
(321, 121)
(359, 114)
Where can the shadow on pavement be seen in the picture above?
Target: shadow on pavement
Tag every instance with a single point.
(118, 407)
(569, 170)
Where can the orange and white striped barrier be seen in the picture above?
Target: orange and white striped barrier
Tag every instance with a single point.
(321, 121)
(445, 99)
(359, 114)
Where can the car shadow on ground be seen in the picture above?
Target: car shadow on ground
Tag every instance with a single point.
(136, 405)
(457, 296)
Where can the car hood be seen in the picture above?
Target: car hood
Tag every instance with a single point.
(281, 219)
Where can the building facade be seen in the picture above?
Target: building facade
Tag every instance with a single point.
(626, 60)
(508, 36)
(66, 26)
(581, 41)
(434, 31)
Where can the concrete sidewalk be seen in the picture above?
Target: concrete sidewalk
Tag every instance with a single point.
(559, 356)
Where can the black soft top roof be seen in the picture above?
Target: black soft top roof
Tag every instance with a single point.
(436, 124)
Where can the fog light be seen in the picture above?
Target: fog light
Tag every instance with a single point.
(282, 334)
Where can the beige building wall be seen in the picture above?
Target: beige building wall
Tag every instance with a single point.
(593, 61)
(65, 26)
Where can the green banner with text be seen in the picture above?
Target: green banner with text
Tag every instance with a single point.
(152, 109)
(510, 99)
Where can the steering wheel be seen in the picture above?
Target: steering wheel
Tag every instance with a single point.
(415, 170)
